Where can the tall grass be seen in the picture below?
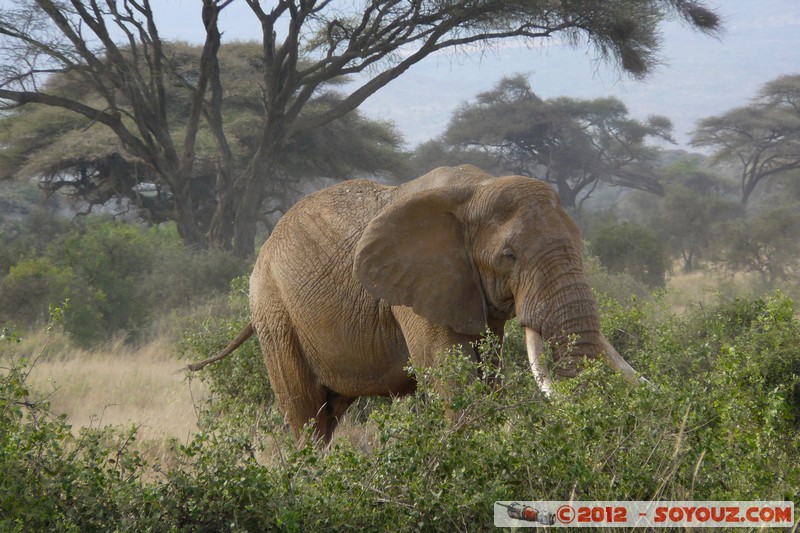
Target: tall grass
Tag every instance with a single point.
(117, 384)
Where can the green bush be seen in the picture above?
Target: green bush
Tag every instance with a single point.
(726, 394)
(29, 237)
(617, 285)
(54, 481)
(626, 247)
(724, 430)
(31, 285)
(721, 423)
(177, 276)
(117, 276)
(110, 257)
(239, 385)
(765, 244)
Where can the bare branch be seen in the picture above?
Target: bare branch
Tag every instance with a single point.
(110, 120)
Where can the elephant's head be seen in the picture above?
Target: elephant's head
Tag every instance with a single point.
(465, 255)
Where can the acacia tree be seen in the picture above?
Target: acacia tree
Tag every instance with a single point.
(67, 152)
(764, 137)
(765, 244)
(572, 144)
(694, 214)
(305, 45)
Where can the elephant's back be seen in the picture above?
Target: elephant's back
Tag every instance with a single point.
(344, 207)
(327, 217)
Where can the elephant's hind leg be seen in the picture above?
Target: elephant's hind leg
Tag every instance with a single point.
(300, 395)
(335, 408)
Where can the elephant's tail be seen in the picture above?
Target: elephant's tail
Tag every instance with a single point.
(243, 335)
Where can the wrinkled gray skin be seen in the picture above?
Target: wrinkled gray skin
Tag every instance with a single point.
(359, 278)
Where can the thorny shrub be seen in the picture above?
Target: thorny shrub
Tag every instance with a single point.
(720, 423)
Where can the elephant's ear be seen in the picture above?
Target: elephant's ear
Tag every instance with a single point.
(415, 254)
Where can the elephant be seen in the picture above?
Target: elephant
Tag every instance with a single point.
(358, 279)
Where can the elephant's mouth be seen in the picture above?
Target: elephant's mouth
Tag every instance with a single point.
(505, 311)
(534, 344)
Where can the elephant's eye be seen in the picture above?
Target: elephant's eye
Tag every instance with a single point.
(508, 253)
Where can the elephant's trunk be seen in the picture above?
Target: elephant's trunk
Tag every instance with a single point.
(568, 318)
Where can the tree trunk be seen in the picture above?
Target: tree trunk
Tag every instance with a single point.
(688, 262)
(568, 197)
(221, 230)
(245, 223)
(186, 224)
(747, 189)
(235, 220)
(233, 226)
(750, 179)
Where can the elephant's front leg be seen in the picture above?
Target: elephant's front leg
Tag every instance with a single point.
(426, 340)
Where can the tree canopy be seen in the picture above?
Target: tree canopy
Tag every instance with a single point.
(66, 151)
(765, 244)
(116, 47)
(573, 144)
(694, 214)
(763, 137)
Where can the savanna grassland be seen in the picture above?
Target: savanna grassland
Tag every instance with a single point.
(141, 446)
(146, 385)
(117, 384)
(695, 265)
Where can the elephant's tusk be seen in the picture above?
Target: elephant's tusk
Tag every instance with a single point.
(616, 362)
(535, 347)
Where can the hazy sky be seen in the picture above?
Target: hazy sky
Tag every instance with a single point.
(700, 75)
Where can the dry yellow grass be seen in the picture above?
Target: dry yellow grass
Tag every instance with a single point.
(118, 385)
(707, 286)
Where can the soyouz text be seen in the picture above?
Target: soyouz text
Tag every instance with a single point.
(644, 514)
